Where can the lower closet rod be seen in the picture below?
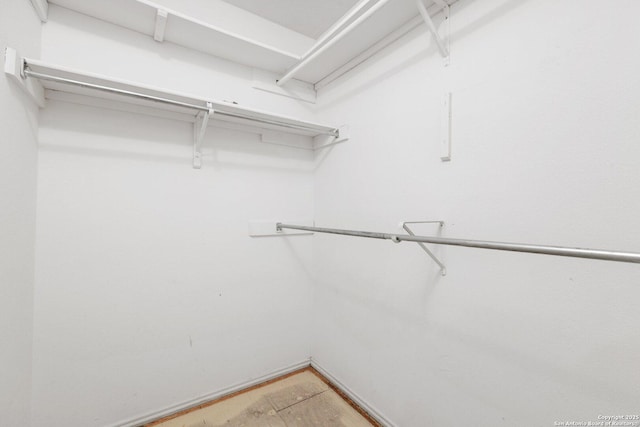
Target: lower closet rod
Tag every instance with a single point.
(501, 246)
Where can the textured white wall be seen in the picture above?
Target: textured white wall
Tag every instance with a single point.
(545, 150)
(20, 29)
(149, 291)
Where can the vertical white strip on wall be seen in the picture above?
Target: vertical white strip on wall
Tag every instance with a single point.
(445, 128)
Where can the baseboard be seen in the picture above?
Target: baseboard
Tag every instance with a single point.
(373, 412)
(149, 417)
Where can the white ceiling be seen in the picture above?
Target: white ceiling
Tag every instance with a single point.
(308, 17)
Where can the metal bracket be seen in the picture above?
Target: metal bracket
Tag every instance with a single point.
(199, 129)
(324, 141)
(441, 42)
(443, 269)
(14, 66)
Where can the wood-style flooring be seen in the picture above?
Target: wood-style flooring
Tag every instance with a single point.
(302, 399)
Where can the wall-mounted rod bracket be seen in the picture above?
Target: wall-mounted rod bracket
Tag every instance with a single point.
(406, 228)
(441, 41)
(324, 141)
(14, 68)
(199, 129)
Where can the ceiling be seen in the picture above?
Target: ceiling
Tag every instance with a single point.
(308, 17)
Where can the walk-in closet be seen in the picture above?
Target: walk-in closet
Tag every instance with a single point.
(336, 213)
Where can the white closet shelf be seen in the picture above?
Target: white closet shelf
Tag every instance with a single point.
(385, 22)
(42, 80)
(164, 24)
(56, 78)
(390, 20)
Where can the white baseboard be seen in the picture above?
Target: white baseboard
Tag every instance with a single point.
(147, 418)
(373, 412)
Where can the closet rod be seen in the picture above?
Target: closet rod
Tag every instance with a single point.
(40, 76)
(514, 247)
(337, 37)
(132, 94)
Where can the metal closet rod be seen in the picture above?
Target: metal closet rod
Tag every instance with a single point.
(41, 76)
(312, 54)
(501, 246)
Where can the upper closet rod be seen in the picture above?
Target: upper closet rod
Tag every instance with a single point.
(306, 60)
(335, 27)
(139, 95)
(514, 247)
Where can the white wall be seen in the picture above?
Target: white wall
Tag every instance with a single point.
(20, 29)
(149, 291)
(545, 150)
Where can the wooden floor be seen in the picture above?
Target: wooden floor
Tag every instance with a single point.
(303, 399)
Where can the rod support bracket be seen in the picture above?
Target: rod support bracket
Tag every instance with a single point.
(442, 42)
(14, 68)
(199, 130)
(341, 134)
(443, 268)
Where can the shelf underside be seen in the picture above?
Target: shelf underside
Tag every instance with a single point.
(90, 84)
(140, 15)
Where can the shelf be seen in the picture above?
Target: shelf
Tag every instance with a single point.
(168, 25)
(390, 21)
(393, 20)
(42, 80)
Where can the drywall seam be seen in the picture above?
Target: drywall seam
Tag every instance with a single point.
(143, 419)
(373, 412)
